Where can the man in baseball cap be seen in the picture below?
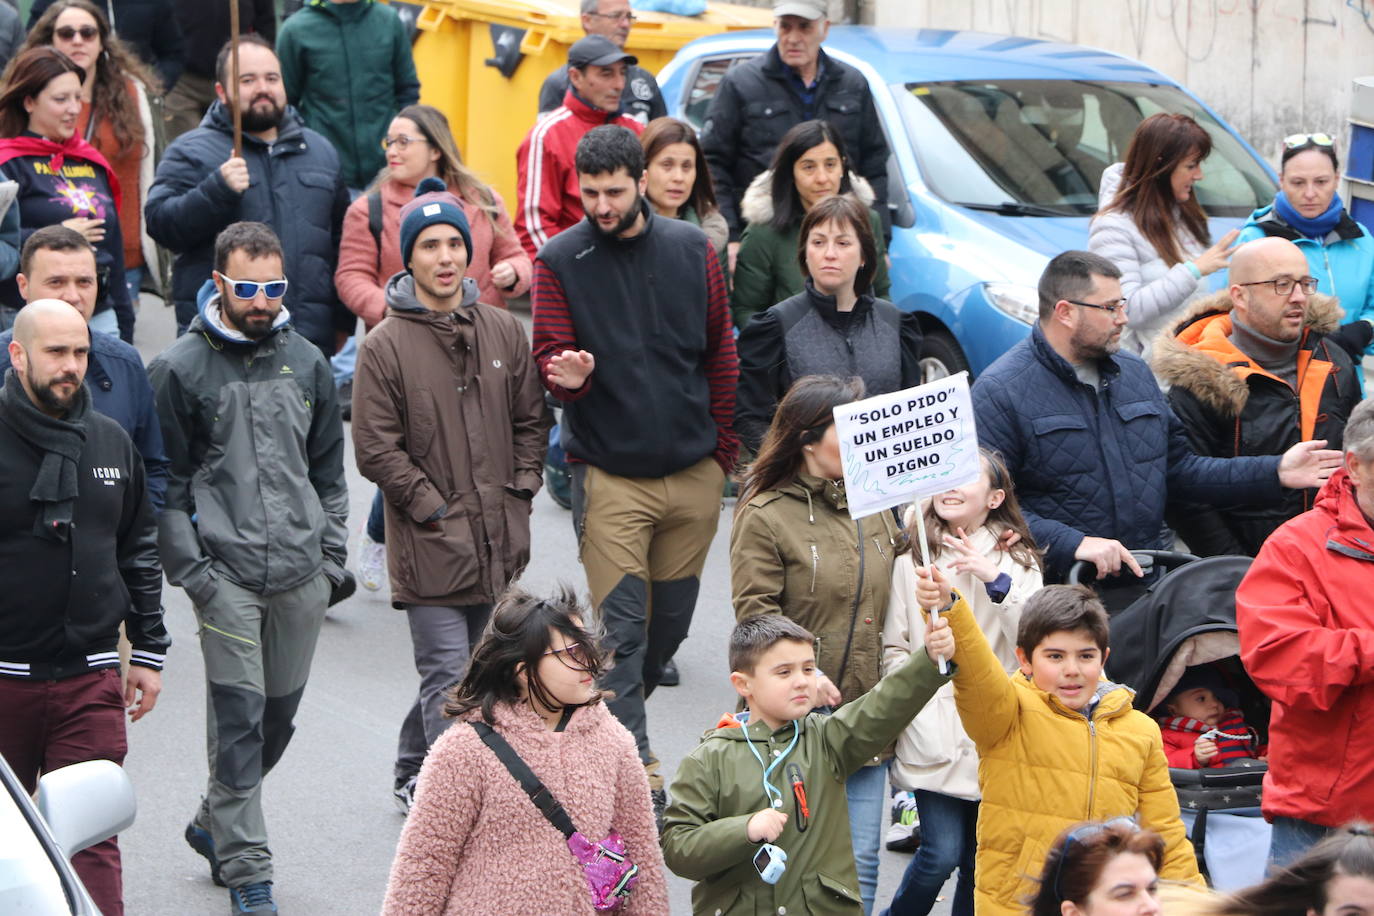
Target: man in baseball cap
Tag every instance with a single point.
(761, 99)
(612, 20)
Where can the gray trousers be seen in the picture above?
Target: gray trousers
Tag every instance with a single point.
(442, 638)
(258, 650)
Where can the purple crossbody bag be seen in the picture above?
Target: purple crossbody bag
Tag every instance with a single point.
(609, 872)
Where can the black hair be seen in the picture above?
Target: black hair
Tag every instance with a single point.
(605, 149)
(787, 204)
(51, 238)
(1070, 276)
(257, 240)
(222, 59)
(755, 635)
(516, 639)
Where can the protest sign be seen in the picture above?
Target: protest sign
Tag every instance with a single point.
(898, 447)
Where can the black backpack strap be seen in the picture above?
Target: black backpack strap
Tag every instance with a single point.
(539, 794)
(374, 222)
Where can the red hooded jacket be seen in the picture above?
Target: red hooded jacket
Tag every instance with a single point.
(1307, 640)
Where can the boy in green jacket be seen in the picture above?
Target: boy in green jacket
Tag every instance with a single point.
(773, 778)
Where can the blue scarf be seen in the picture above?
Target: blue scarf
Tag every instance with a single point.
(1315, 228)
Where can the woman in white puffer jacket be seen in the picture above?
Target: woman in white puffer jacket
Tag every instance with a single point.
(1150, 225)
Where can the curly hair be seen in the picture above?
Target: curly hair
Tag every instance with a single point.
(116, 65)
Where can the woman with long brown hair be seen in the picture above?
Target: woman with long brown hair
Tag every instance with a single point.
(115, 118)
(61, 177)
(678, 183)
(1151, 226)
(794, 550)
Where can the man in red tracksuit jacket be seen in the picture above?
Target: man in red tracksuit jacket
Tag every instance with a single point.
(549, 198)
(1307, 640)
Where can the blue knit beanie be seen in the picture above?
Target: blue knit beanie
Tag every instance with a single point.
(433, 205)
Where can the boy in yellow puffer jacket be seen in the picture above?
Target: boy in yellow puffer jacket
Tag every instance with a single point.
(1057, 743)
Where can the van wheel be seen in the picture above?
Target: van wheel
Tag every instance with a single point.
(941, 357)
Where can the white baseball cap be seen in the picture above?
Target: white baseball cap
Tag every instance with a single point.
(806, 9)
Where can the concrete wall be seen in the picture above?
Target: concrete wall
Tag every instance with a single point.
(1270, 67)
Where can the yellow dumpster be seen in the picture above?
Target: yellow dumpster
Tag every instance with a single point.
(464, 53)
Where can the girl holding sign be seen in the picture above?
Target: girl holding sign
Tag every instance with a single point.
(965, 528)
(794, 550)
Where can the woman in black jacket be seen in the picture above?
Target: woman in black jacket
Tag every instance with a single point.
(833, 327)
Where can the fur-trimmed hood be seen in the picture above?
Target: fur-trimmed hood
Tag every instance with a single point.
(757, 205)
(1190, 355)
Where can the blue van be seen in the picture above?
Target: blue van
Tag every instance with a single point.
(998, 146)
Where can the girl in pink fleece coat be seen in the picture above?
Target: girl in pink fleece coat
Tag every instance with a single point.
(474, 842)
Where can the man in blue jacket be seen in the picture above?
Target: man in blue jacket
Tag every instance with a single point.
(58, 263)
(288, 177)
(1092, 446)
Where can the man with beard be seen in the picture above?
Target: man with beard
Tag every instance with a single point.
(632, 332)
(79, 557)
(457, 493)
(253, 529)
(287, 177)
(1092, 445)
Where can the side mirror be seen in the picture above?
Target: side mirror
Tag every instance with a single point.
(85, 803)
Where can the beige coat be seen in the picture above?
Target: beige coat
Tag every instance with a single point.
(934, 753)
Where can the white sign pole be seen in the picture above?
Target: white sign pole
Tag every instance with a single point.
(941, 662)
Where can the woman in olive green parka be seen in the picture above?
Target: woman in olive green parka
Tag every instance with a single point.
(794, 550)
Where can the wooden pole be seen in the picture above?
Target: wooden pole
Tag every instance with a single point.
(232, 90)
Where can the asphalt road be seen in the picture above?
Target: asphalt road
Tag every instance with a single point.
(331, 819)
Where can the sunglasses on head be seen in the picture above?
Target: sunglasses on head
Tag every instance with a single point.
(249, 289)
(1293, 141)
(1081, 836)
(67, 32)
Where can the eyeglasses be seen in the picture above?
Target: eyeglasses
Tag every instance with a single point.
(574, 655)
(249, 289)
(67, 32)
(1111, 308)
(1293, 141)
(1081, 835)
(402, 141)
(626, 16)
(1284, 285)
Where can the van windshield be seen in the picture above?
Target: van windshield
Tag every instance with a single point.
(1039, 147)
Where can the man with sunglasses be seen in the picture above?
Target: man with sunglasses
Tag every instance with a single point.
(612, 19)
(253, 529)
(1092, 446)
(1252, 372)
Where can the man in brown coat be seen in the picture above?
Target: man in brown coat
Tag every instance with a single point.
(449, 420)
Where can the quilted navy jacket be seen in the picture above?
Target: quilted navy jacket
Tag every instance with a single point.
(1099, 464)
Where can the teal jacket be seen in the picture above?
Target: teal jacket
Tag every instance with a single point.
(719, 786)
(1343, 262)
(348, 70)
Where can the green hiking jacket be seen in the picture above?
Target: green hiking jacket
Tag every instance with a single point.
(348, 70)
(719, 786)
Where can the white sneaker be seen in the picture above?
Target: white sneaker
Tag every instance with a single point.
(371, 563)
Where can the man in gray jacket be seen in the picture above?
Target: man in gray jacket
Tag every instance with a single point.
(254, 529)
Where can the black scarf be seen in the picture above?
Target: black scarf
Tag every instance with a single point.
(61, 442)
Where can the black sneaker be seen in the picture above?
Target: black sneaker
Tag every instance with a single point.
(252, 898)
(660, 799)
(200, 840)
(670, 676)
(404, 794)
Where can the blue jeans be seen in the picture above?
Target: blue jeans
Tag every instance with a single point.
(376, 520)
(133, 279)
(866, 792)
(343, 362)
(948, 841)
(1290, 839)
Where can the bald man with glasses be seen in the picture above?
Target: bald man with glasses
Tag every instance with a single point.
(1252, 372)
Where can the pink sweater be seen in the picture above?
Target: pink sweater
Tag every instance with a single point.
(362, 287)
(475, 843)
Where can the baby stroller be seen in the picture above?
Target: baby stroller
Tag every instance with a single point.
(1188, 618)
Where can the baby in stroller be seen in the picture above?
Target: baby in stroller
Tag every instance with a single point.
(1203, 725)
